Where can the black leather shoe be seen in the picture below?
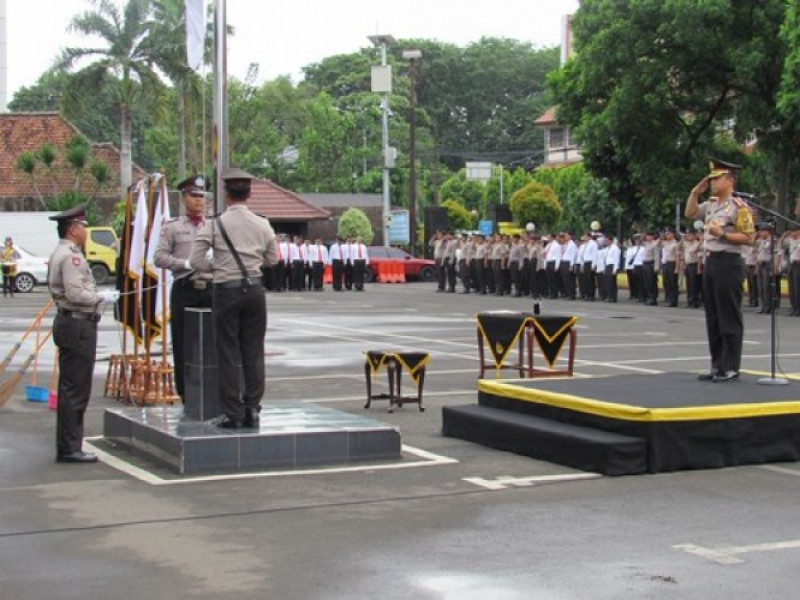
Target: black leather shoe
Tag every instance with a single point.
(726, 376)
(77, 457)
(228, 423)
(708, 376)
(252, 418)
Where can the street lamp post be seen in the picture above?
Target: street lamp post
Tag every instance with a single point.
(382, 83)
(413, 55)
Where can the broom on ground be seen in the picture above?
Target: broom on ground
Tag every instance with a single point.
(7, 387)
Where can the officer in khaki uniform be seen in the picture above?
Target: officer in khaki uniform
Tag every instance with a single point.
(728, 230)
(240, 308)
(190, 288)
(74, 331)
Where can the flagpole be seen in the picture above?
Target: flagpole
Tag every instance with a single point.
(219, 146)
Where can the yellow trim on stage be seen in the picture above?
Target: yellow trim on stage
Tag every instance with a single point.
(630, 412)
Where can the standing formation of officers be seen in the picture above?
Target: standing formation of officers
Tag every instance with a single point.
(556, 266)
(301, 264)
(551, 267)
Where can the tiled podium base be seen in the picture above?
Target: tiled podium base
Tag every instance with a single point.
(292, 434)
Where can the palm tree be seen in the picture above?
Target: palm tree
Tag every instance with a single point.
(126, 60)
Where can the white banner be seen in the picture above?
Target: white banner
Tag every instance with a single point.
(195, 32)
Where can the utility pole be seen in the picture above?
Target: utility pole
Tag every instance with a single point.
(413, 55)
(382, 83)
(219, 146)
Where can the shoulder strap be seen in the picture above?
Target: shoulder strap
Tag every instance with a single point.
(233, 250)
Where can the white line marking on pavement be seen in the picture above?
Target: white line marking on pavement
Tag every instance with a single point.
(504, 482)
(781, 470)
(727, 555)
(427, 459)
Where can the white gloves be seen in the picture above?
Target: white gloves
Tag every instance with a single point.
(108, 296)
(186, 265)
(210, 254)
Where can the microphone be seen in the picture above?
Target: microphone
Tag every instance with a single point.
(745, 196)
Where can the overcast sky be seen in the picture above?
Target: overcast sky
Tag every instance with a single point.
(282, 36)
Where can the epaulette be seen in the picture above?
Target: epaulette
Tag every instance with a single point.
(739, 202)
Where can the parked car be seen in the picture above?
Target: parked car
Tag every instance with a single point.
(422, 269)
(31, 270)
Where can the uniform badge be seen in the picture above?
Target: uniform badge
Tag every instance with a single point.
(76, 261)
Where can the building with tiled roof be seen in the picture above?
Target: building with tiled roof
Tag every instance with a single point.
(287, 211)
(28, 132)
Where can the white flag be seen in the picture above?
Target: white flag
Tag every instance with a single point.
(138, 241)
(195, 32)
(164, 276)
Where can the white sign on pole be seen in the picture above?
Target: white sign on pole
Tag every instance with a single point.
(479, 171)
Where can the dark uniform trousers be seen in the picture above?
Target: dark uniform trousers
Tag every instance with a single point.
(722, 292)
(650, 282)
(441, 274)
(298, 274)
(316, 274)
(515, 275)
(693, 283)
(464, 274)
(77, 347)
(450, 272)
(240, 323)
(794, 285)
(183, 296)
(337, 268)
(610, 284)
(359, 268)
(348, 275)
(670, 279)
(278, 276)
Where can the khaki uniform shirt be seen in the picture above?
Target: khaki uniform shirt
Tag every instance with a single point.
(794, 249)
(174, 247)
(438, 249)
(691, 252)
(516, 253)
(733, 216)
(669, 251)
(763, 250)
(251, 235)
(449, 251)
(70, 279)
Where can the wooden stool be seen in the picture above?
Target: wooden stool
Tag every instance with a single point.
(395, 362)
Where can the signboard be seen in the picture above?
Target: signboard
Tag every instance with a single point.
(486, 227)
(479, 171)
(399, 228)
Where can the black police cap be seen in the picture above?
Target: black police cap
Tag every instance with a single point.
(194, 183)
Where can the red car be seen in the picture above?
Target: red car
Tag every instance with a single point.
(421, 269)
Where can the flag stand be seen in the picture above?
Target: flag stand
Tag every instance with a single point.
(135, 378)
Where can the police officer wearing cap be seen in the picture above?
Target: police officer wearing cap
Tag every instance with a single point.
(190, 289)
(728, 231)
(240, 308)
(74, 331)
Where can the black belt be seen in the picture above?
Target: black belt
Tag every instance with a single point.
(195, 284)
(82, 316)
(649, 262)
(239, 283)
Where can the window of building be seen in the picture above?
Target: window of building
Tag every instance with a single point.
(557, 137)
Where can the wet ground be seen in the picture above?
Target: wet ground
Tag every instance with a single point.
(452, 520)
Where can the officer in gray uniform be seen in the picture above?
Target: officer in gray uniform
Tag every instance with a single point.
(190, 289)
(728, 230)
(240, 308)
(74, 331)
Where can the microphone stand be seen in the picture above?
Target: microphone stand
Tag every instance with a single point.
(771, 223)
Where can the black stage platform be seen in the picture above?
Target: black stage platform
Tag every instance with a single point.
(631, 424)
(292, 434)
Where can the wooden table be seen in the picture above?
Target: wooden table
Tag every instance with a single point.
(502, 331)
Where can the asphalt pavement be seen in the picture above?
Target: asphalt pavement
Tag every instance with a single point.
(452, 520)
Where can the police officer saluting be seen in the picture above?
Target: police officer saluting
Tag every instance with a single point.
(728, 231)
(191, 289)
(242, 242)
(74, 331)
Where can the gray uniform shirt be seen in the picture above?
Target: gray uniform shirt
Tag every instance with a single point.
(70, 279)
(174, 247)
(251, 235)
